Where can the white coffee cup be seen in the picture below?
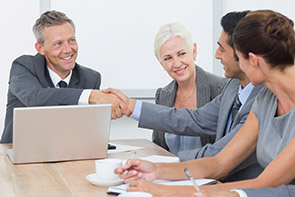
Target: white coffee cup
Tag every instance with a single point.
(135, 194)
(105, 169)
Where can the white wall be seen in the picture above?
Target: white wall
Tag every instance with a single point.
(116, 37)
(16, 37)
(285, 7)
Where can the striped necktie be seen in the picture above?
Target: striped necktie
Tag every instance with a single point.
(235, 108)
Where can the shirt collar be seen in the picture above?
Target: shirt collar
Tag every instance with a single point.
(56, 78)
(245, 92)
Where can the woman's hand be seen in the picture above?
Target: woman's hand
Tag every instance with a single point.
(135, 169)
(216, 193)
(152, 188)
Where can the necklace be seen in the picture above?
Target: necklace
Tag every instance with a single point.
(190, 94)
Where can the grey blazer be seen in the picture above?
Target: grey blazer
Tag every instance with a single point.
(208, 87)
(211, 119)
(30, 85)
(283, 191)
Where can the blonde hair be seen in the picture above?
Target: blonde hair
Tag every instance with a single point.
(169, 31)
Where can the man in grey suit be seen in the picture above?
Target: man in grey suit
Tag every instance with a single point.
(52, 77)
(214, 118)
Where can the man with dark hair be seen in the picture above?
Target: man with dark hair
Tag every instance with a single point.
(223, 116)
(52, 77)
(228, 23)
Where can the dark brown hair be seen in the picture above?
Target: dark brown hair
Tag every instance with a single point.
(269, 34)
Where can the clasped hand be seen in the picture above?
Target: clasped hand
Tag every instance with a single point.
(121, 104)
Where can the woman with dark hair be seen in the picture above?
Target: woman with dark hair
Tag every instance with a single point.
(265, 45)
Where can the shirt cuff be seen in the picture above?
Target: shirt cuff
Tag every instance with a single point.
(84, 98)
(240, 192)
(137, 110)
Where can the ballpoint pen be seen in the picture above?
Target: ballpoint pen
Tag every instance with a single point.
(133, 156)
(189, 175)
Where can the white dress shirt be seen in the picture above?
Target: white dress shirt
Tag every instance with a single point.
(55, 78)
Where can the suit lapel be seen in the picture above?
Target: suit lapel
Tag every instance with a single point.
(169, 96)
(74, 82)
(245, 108)
(42, 71)
(203, 89)
(225, 107)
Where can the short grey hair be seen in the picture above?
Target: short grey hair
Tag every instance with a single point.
(171, 30)
(48, 19)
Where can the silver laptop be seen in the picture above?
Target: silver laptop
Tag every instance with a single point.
(59, 133)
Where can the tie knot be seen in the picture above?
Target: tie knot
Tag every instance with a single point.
(62, 84)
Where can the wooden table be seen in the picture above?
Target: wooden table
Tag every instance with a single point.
(61, 178)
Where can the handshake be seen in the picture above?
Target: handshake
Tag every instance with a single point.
(121, 104)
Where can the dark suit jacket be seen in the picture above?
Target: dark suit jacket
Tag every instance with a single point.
(208, 87)
(30, 85)
(211, 119)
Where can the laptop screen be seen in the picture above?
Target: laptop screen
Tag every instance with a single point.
(58, 133)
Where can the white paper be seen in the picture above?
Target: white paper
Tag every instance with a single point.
(158, 159)
(123, 148)
(122, 188)
(161, 159)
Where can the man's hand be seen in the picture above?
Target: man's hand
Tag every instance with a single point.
(128, 108)
(99, 97)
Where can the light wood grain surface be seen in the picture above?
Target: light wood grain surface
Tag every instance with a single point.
(61, 178)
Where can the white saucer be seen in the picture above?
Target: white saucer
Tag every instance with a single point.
(92, 178)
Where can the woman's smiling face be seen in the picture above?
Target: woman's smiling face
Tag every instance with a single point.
(178, 59)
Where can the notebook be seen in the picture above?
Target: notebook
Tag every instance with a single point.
(59, 133)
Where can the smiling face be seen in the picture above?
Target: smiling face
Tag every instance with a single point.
(60, 48)
(225, 54)
(178, 59)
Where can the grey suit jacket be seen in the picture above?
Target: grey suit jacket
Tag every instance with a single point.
(282, 191)
(208, 87)
(211, 119)
(30, 85)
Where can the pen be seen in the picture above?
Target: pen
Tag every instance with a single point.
(189, 175)
(133, 156)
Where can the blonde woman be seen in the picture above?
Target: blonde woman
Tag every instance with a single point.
(191, 87)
